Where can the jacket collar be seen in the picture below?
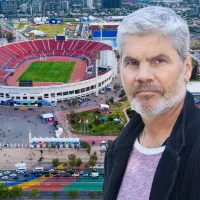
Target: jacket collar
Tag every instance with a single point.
(168, 166)
(176, 141)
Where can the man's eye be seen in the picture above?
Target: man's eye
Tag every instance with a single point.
(133, 63)
(160, 61)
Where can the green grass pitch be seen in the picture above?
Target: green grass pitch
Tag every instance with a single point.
(48, 72)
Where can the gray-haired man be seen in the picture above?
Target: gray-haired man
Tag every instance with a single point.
(157, 156)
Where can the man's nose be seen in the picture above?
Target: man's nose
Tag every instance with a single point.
(145, 73)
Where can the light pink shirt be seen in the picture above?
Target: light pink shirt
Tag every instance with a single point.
(140, 171)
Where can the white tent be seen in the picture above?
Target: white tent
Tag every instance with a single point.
(47, 115)
(38, 33)
(104, 106)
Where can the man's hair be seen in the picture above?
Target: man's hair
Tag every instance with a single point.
(153, 20)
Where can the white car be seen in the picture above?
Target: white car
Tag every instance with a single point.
(13, 175)
(102, 91)
(20, 172)
(1, 174)
(4, 177)
(75, 174)
(51, 170)
(7, 172)
(86, 174)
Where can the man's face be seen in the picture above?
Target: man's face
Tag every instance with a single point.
(152, 74)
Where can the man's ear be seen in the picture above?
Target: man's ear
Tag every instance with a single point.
(188, 68)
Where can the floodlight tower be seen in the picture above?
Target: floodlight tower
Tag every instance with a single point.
(96, 57)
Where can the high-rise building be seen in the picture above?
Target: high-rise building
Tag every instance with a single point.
(53, 5)
(0, 6)
(36, 6)
(90, 3)
(9, 7)
(197, 10)
(111, 3)
(64, 5)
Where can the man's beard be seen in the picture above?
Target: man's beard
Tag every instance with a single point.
(169, 98)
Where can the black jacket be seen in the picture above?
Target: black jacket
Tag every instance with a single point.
(177, 176)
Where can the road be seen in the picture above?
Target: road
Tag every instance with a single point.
(19, 36)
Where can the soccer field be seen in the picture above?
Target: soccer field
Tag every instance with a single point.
(48, 72)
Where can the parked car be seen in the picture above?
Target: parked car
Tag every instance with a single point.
(75, 174)
(57, 175)
(54, 172)
(4, 177)
(38, 175)
(86, 174)
(7, 172)
(20, 172)
(15, 177)
(67, 175)
(1, 174)
(26, 175)
(70, 170)
(12, 175)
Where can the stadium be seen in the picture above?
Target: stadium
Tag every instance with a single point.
(44, 72)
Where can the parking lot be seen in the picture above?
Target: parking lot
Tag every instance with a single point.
(62, 180)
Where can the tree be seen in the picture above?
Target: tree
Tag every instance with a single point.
(16, 191)
(72, 162)
(111, 99)
(78, 162)
(116, 86)
(55, 162)
(91, 162)
(72, 114)
(99, 193)
(92, 195)
(73, 194)
(84, 144)
(72, 157)
(55, 194)
(41, 152)
(34, 193)
(93, 157)
(9, 36)
(88, 150)
(122, 93)
(4, 192)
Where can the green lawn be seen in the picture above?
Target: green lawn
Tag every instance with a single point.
(48, 72)
(102, 129)
(51, 30)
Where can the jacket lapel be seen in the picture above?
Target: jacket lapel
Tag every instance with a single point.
(168, 167)
(165, 176)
